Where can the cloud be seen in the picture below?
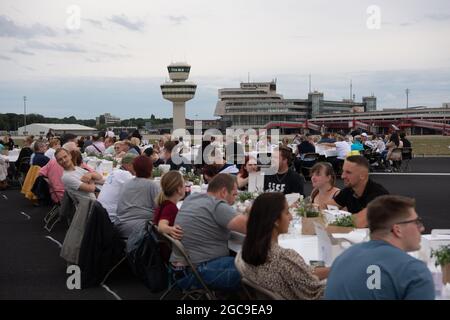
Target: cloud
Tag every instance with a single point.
(438, 16)
(21, 51)
(177, 20)
(2, 57)
(10, 29)
(93, 60)
(95, 23)
(125, 22)
(62, 47)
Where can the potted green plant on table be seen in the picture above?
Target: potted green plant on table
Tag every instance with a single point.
(442, 256)
(309, 214)
(342, 224)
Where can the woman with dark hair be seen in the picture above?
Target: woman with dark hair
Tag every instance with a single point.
(138, 199)
(250, 165)
(153, 154)
(323, 181)
(394, 142)
(264, 262)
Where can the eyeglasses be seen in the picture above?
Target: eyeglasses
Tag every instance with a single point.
(418, 221)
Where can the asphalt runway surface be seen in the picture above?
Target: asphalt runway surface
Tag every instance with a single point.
(30, 266)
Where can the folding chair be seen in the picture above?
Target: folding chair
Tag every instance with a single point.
(22, 169)
(52, 217)
(256, 292)
(194, 294)
(308, 161)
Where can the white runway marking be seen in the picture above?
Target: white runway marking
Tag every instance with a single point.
(112, 292)
(55, 241)
(23, 213)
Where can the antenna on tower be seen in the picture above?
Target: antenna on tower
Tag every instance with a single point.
(310, 83)
(351, 89)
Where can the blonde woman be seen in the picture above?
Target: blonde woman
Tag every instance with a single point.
(54, 144)
(172, 191)
(135, 142)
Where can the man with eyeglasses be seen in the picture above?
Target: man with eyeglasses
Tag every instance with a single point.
(381, 269)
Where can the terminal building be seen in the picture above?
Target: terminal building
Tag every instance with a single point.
(257, 104)
(107, 119)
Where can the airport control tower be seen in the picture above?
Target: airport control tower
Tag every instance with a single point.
(178, 91)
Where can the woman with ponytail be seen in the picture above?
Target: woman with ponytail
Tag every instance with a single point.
(172, 191)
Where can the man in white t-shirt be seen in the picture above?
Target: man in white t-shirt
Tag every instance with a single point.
(109, 133)
(343, 148)
(111, 190)
(75, 179)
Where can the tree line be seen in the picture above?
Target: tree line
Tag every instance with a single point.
(12, 121)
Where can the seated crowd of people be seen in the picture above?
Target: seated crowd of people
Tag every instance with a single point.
(204, 221)
(379, 149)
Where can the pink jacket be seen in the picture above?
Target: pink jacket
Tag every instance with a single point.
(53, 171)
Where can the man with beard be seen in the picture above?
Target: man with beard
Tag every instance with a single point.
(359, 190)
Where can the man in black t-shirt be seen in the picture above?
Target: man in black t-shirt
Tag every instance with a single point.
(359, 189)
(285, 180)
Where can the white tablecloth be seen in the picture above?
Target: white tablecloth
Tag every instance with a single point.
(307, 247)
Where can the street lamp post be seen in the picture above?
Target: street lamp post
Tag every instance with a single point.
(25, 113)
(407, 104)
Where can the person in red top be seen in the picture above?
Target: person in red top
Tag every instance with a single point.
(172, 191)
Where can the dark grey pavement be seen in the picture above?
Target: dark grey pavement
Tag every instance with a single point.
(30, 266)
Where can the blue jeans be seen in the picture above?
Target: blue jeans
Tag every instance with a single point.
(218, 274)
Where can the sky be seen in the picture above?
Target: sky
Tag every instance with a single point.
(85, 58)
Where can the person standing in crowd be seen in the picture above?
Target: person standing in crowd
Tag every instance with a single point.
(343, 148)
(109, 133)
(50, 134)
(206, 220)
(123, 135)
(305, 146)
(323, 181)
(406, 142)
(136, 134)
(285, 180)
(359, 190)
(272, 267)
(395, 229)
